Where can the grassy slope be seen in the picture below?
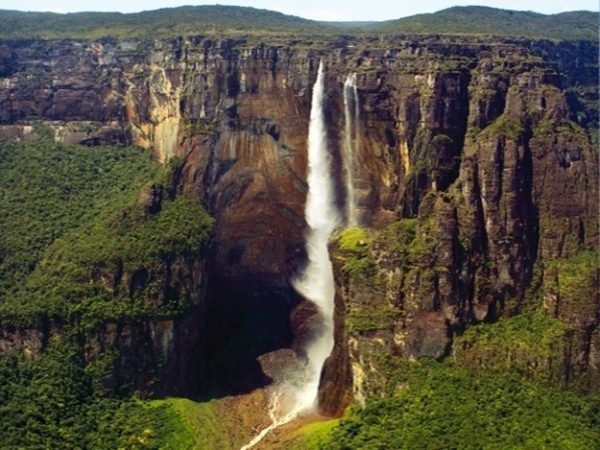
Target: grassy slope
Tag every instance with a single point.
(54, 402)
(234, 20)
(199, 425)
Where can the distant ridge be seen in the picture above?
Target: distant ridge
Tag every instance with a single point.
(167, 22)
(237, 20)
(500, 22)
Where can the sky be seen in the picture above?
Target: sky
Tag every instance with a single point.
(311, 9)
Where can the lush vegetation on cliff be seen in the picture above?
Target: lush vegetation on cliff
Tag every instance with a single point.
(445, 407)
(235, 20)
(49, 189)
(58, 402)
(90, 236)
(505, 384)
(82, 244)
(107, 271)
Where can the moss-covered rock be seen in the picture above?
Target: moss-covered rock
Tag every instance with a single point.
(530, 345)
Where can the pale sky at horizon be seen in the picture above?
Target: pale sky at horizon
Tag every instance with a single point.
(310, 9)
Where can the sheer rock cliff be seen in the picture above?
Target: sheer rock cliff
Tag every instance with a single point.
(489, 145)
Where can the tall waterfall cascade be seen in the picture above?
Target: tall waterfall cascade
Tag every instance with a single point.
(351, 145)
(316, 283)
(298, 393)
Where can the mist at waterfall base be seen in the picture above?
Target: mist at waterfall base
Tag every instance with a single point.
(298, 392)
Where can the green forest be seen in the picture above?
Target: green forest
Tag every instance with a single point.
(218, 20)
(72, 213)
(443, 406)
(499, 22)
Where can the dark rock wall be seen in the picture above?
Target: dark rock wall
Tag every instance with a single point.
(151, 355)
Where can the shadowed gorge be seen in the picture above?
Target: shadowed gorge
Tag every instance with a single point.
(247, 321)
(163, 197)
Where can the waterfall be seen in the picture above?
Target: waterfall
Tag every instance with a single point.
(316, 283)
(298, 393)
(350, 147)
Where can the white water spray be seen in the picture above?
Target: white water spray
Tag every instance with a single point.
(299, 393)
(316, 283)
(350, 148)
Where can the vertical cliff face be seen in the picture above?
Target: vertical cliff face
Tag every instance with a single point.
(483, 149)
(501, 206)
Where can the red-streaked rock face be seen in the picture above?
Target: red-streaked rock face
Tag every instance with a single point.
(480, 140)
(507, 198)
